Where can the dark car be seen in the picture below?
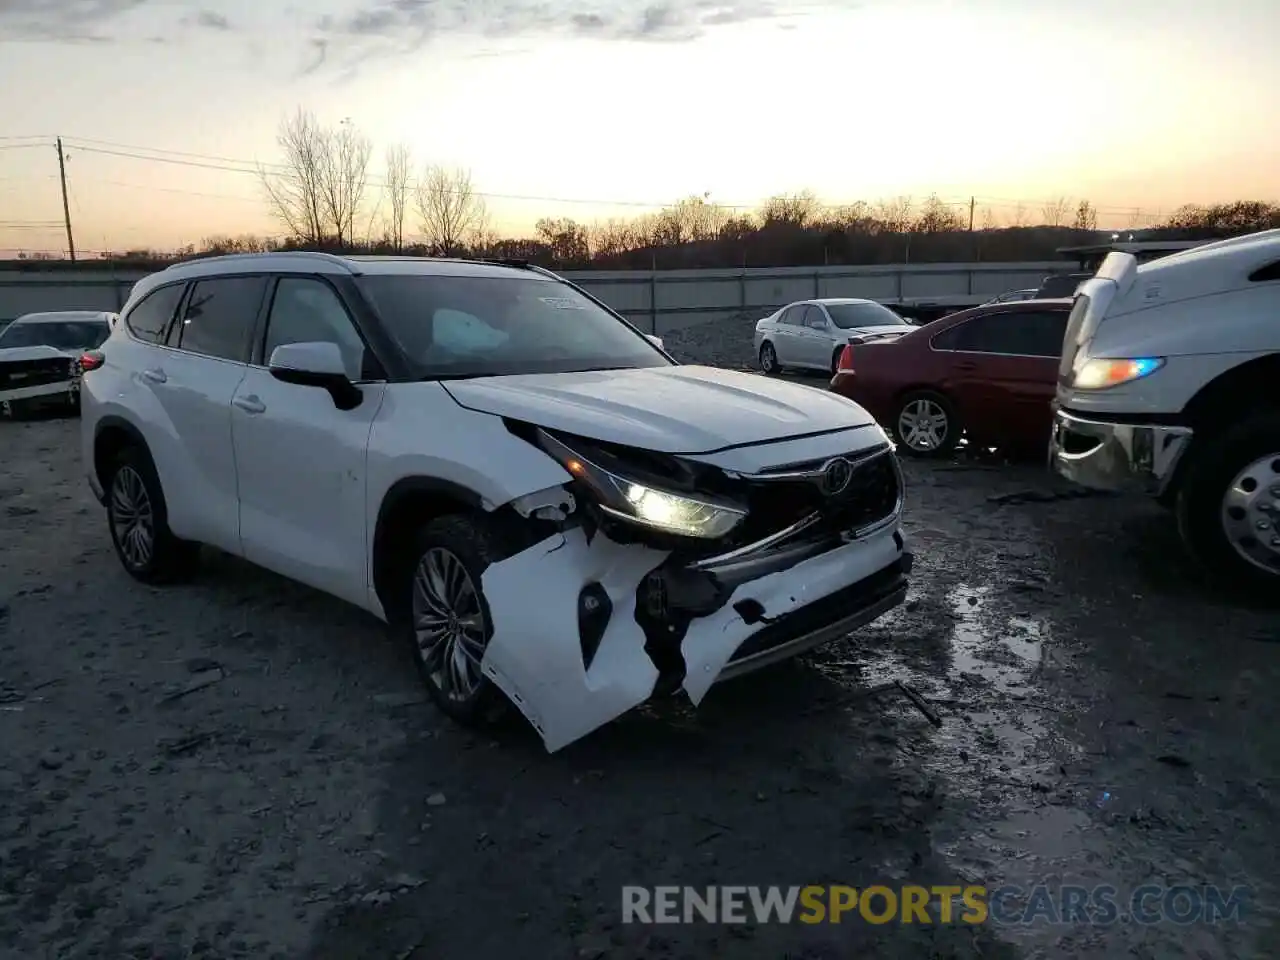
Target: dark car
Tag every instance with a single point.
(988, 373)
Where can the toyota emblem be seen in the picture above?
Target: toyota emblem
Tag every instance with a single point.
(836, 475)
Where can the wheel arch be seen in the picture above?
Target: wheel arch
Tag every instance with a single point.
(1232, 396)
(111, 435)
(407, 505)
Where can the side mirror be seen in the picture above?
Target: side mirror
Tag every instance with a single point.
(655, 340)
(316, 365)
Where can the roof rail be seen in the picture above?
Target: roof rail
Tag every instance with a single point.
(300, 254)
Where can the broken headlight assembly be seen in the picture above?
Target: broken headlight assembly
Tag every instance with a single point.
(630, 496)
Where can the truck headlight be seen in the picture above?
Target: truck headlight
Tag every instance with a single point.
(1099, 373)
(641, 502)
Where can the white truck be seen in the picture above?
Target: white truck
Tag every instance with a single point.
(1170, 383)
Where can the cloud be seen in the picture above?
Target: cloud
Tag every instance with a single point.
(66, 21)
(211, 20)
(389, 27)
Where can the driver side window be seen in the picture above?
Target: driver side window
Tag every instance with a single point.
(305, 310)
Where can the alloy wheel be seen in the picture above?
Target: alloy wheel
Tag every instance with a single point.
(768, 359)
(449, 624)
(923, 425)
(132, 518)
(1251, 513)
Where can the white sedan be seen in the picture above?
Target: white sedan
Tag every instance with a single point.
(811, 334)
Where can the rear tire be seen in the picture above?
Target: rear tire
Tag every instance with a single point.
(139, 523)
(446, 620)
(1228, 505)
(769, 359)
(925, 424)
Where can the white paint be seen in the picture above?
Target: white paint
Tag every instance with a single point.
(534, 656)
(1209, 319)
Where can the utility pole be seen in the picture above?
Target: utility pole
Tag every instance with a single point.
(972, 202)
(66, 208)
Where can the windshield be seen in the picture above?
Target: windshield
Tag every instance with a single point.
(64, 335)
(495, 326)
(849, 315)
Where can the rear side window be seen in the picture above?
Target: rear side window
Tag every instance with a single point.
(793, 314)
(1268, 273)
(1039, 333)
(219, 317)
(150, 318)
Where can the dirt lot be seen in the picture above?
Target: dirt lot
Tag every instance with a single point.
(242, 767)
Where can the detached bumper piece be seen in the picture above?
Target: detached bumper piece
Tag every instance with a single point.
(1105, 455)
(827, 619)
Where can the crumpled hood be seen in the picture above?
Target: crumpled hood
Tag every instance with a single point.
(38, 352)
(683, 409)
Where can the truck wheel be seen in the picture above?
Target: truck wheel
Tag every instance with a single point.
(1228, 507)
(925, 424)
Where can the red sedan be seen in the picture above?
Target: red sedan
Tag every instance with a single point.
(988, 374)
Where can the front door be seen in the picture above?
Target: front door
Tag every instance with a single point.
(300, 460)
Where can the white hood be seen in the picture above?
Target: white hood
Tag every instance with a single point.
(684, 409)
(38, 352)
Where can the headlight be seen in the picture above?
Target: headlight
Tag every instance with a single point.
(642, 503)
(1098, 373)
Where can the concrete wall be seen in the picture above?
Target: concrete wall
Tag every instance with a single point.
(657, 301)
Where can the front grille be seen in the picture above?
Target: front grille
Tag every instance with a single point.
(872, 495)
(17, 374)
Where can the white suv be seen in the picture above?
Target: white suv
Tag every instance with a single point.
(525, 487)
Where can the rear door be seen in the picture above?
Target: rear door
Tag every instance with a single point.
(1038, 339)
(999, 374)
(786, 334)
(194, 376)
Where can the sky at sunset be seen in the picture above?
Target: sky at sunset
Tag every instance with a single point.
(608, 109)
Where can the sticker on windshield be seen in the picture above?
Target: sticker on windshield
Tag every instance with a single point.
(562, 303)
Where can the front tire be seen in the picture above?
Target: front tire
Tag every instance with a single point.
(1228, 507)
(447, 623)
(139, 522)
(925, 424)
(769, 359)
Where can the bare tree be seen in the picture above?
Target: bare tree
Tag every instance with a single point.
(344, 179)
(450, 209)
(937, 217)
(990, 221)
(293, 187)
(1019, 216)
(1135, 218)
(398, 165)
(1055, 212)
(1086, 216)
(796, 210)
(318, 189)
(895, 214)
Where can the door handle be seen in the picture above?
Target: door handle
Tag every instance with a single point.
(250, 404)
(966, 365)
(155, 376)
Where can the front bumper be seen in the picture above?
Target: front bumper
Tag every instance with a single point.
(64, 388)
(1116, 456)
(537, 658)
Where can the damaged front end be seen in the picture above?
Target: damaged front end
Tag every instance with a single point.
(671, 573)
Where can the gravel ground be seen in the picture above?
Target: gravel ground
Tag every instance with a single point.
(241, 767)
